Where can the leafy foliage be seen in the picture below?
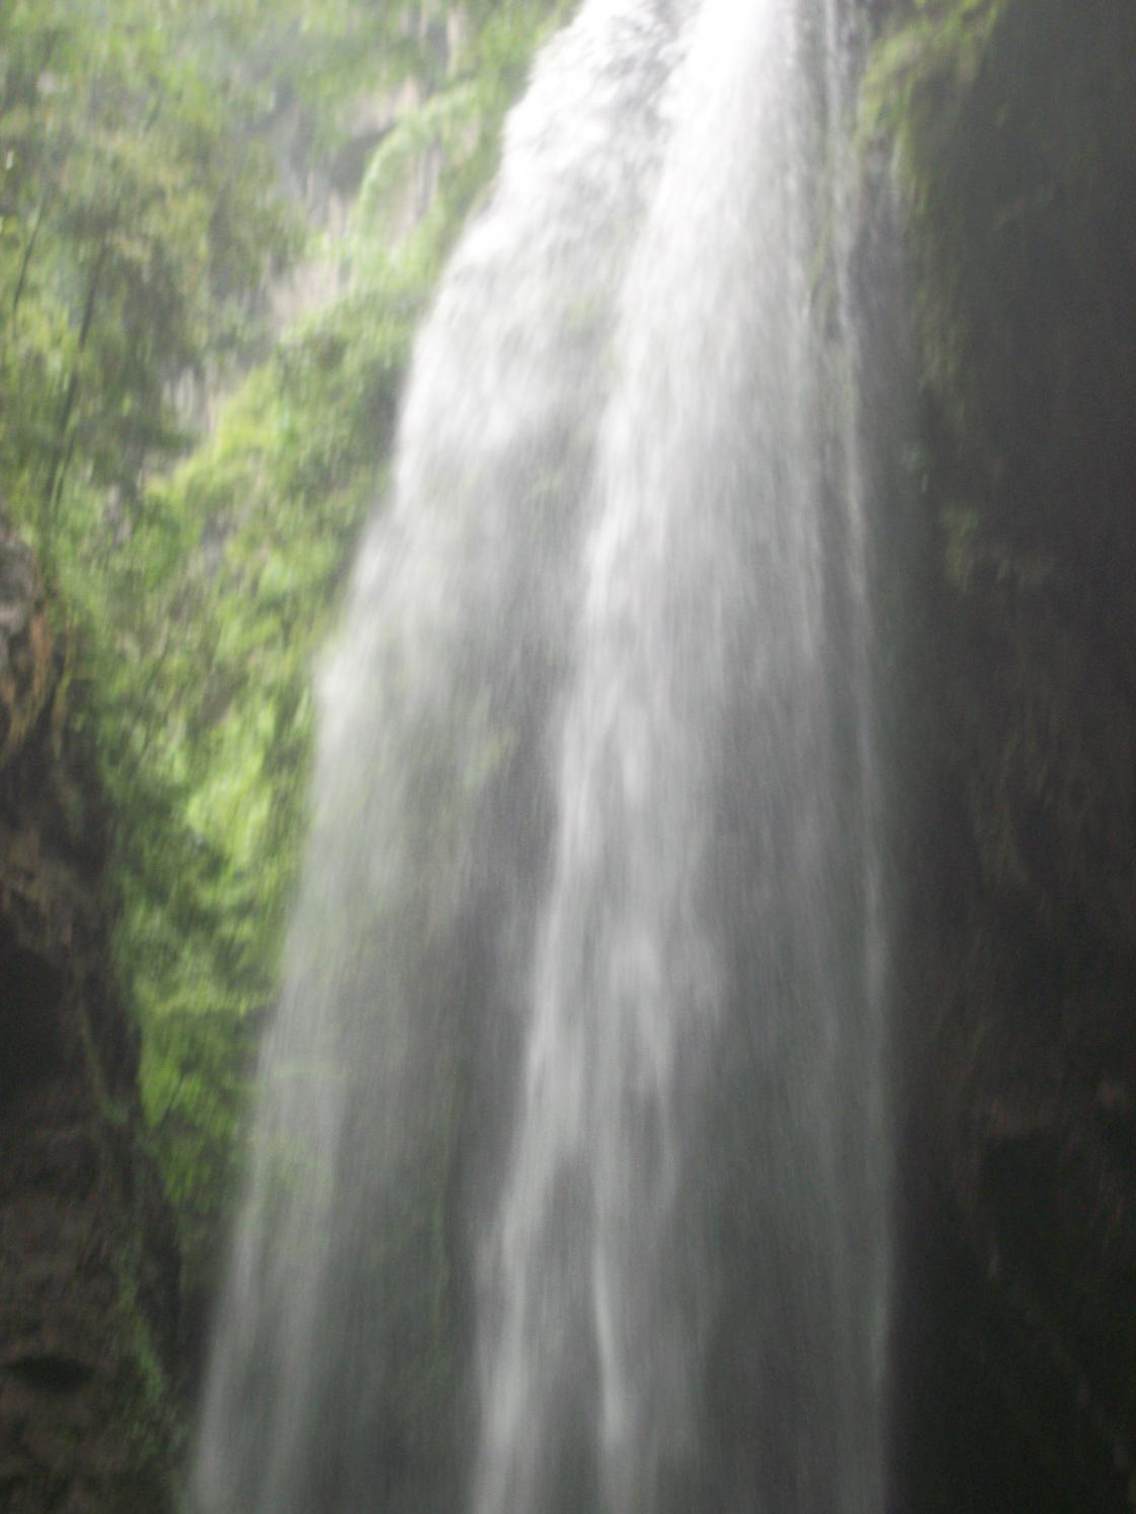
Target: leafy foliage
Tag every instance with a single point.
(214, 664)
(136, 229)
(142, 219)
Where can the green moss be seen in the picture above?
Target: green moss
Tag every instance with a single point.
(916, 95)
(148, 1407)
(1010, 123)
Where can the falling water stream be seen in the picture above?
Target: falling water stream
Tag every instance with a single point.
(569, 1180)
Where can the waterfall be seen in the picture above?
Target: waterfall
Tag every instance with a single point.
(568, 1191)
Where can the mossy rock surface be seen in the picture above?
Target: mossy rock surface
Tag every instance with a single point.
(88, 1268)
(1012, 124)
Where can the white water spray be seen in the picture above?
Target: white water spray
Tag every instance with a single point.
(571, 1120)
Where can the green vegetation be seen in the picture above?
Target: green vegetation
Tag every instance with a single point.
(142, 219)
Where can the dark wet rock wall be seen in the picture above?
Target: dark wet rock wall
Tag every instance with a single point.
(87, 1260)
(1012, 124)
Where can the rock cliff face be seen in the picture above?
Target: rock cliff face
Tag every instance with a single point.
(1015, 121)
(87, 1265)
